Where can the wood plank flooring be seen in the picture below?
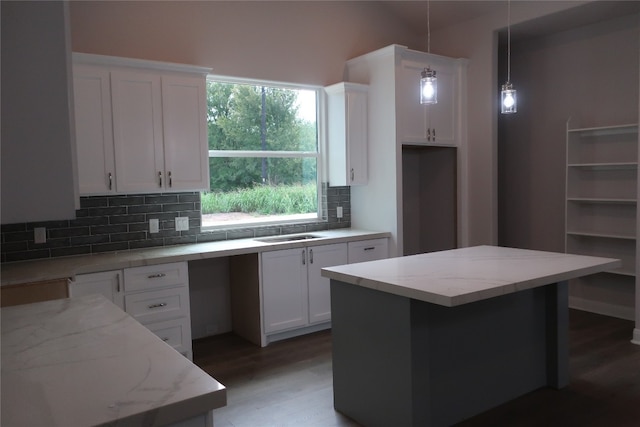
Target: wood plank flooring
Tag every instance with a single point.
(289, 383)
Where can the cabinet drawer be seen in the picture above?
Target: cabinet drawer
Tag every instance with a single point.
(368, 250)
(175, 332)
(155, 276)
(154, 306)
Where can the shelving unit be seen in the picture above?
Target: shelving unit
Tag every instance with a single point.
(602, 214)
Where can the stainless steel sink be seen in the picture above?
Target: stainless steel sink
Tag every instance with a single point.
(292, 238)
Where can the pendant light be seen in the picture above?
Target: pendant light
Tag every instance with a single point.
(428, 80)
(508, 99)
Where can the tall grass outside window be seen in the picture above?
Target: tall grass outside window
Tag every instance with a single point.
(263, 154)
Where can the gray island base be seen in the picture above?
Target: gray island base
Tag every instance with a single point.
(433, 339)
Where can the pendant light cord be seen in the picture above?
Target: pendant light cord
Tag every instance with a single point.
(508, 41)
(428, 28)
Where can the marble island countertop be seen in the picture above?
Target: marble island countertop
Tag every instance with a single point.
(461, 276)
(84, 362)
(67, 267)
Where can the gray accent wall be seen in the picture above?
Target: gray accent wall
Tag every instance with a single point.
(588, 75)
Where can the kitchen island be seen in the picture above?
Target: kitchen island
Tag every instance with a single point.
(84, 362)
(433, 339)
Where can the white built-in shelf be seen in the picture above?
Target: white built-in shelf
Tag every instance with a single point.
(601, 201)
(602, 235)
(605, 166)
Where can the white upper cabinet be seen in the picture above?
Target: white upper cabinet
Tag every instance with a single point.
(141, 126)
(347, 133)
(94, 134)
(434, 124)
(137, 131)
(186, 150)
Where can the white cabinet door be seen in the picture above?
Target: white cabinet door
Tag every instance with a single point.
(347, 134)
(284, 289)
(137, 131)
(94, 135)
(427, 124)
(319, 289)
(106, 283)
(368, 250)
(186, 155)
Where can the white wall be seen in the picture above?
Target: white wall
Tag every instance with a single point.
(476, 40)
(38, 164)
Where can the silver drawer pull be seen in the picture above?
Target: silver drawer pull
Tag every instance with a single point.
(156, 276)
(370, 248)
(165, 339)
(162, 304)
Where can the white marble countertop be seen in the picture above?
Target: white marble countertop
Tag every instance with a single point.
(84, 362)
(67, 267)
(461, 276)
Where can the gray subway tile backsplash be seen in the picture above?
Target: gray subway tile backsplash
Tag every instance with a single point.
(119, 223)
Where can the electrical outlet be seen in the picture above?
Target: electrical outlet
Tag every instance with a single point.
(182, 223)
(154, 225)
(40, 235)
(339, 212)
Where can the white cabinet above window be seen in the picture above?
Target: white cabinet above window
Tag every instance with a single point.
(140, 125)
(347, 133)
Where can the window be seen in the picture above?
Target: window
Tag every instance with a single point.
(263, 154)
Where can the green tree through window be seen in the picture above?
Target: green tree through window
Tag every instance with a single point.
(263, 152)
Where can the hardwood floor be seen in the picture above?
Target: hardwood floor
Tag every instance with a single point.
(289, 383)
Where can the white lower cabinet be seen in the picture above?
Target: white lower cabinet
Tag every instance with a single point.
(157, 296)
(106, 283)
(368, 250)
(294, 295)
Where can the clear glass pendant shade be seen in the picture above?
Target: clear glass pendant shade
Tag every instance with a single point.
(509, 100)
(428, 87)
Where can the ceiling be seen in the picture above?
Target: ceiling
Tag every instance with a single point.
(443, 13)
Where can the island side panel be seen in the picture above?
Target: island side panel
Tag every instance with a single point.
(558, 335)
(371, 335)
(480, 354)
(456, 362)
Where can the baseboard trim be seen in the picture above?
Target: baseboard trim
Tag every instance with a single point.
(598, 307)
(297, 332)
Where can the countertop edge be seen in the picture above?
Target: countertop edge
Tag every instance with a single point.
(40, 270)
(93, 315)
(337, 273)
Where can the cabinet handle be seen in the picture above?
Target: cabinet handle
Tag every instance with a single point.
(165, 339)
(304, 258)
(110, 180)
(370, 248)
(428, 134)
(161, 304)
(156, 276)
(170, 179)
(118, 282)
(352, 174)
(160, 178)
(310, 256)
(434, 135)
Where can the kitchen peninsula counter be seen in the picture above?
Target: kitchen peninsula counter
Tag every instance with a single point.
(455, 332)
(84, 362)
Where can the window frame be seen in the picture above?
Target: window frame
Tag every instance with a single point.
(320, 154)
